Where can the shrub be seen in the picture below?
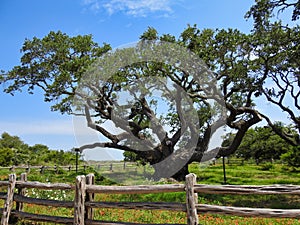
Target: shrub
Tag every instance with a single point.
(267, 166)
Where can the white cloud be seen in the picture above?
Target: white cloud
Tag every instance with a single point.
(136, 8)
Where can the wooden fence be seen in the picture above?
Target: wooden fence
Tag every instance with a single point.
(103, 166)
(84, 202)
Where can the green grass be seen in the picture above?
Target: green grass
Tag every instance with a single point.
(245, 174)
(213, 174)
(62, 176)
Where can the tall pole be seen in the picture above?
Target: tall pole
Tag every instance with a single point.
(224, 170)
(77, 152)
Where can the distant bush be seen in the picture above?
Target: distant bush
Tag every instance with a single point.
(267, 166)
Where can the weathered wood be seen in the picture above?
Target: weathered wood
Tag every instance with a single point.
(138, 189)
(248, 189)
(2, 195)
(192, 216)
(42, 218)
(21, 192)
(248, 212)
(13, 168)
(79, 210)
(46, 186)
(89, 212)
(9, 200)
(4, 183)
(44, 202)
(140, 205)
(39, 167)
(85, 191)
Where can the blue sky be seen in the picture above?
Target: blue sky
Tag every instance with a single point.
(117, 22)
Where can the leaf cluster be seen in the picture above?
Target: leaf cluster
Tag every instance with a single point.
(54, 63)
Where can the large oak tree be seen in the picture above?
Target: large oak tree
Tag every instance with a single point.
(244, 67)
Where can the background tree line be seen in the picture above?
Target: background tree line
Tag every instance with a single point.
(13, 151)
(263, 144)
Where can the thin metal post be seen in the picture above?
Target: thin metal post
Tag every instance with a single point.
(77, 153)
(224, 170)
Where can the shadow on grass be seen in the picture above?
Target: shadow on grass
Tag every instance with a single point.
(128, 177)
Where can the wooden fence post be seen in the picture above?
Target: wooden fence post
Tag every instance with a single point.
(55, 169)
(89, 212)
(9, 200)
(28, 168)
(22, 192)
(192, 216)
(79, 200)
(12, 168)
(42, 169)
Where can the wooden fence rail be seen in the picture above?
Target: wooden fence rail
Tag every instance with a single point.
(84, 200)
(105, 166)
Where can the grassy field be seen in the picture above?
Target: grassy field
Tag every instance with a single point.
(249, 174)
(206, 174)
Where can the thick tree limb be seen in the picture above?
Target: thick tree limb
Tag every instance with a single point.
(108, 145)
(291, 139)
(91, 124)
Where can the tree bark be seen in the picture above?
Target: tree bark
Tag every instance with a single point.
(172, 164)
(181, 174)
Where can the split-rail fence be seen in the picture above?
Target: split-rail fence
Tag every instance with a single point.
(84, 200)
(103, 166)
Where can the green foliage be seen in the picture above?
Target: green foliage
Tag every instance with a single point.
(15, 148)
(39, 154)
(292, 157)
(59, 157)
(263, 10)
(57, 62)
(267, 166)
(261, 144)
(15, 152)
(129, 156)
(8, 141)
(6, 156)
(149, 34)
